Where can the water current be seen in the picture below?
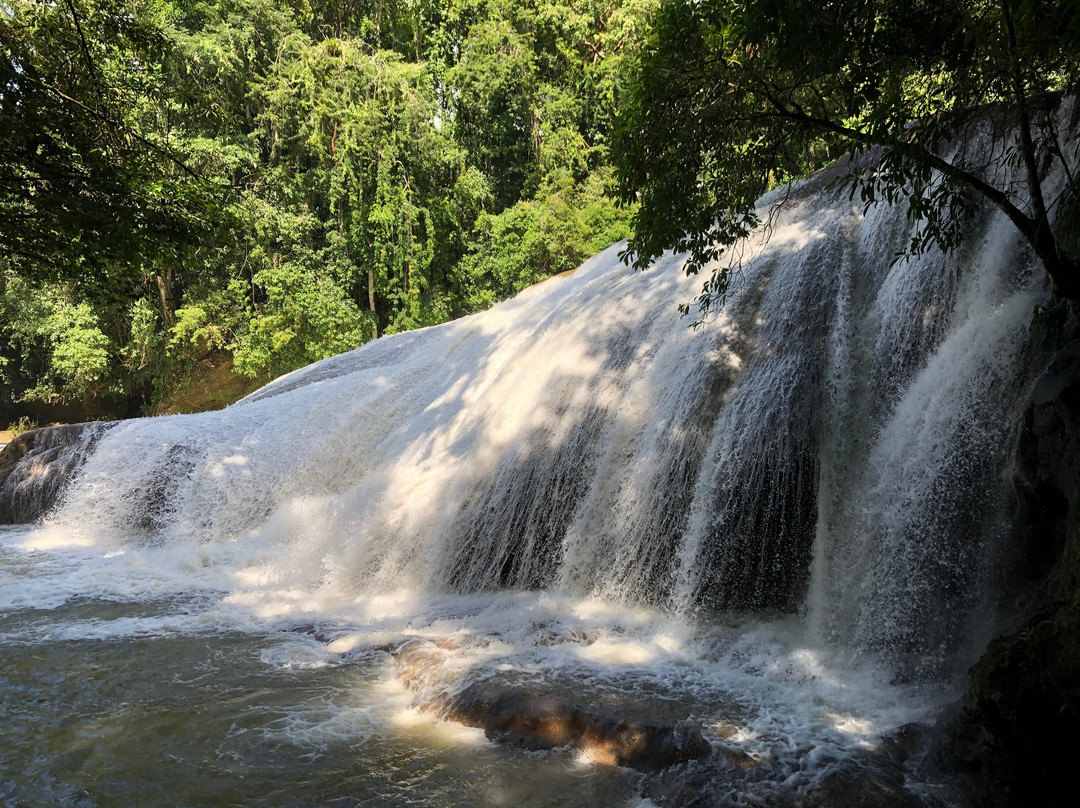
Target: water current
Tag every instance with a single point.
(783, 527)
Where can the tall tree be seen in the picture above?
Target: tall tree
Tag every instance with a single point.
(732, 97)
(84, 186)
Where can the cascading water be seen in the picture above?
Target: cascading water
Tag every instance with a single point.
(782, 526)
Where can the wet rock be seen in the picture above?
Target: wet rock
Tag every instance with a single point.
(37, 465)
(874, 779)
(734, 756)
(536, 722)
(1021, 713)
(862, 784)
(1027, 700)
(1046, 568)
(1008, 736)
(965, 753)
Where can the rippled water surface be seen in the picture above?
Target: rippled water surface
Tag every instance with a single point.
(240, 719)
(111, 695)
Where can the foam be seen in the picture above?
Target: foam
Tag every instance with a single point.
(577, 491)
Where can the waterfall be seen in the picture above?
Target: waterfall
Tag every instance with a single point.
(836, 440)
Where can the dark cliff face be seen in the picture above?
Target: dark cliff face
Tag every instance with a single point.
(37, 465)
(1017, 732)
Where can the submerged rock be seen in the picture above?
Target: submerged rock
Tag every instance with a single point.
(874, 778)
(538, 722)
(712, 783)
(37, 465)
(512, 716)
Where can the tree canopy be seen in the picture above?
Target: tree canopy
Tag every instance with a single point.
(83, 182)
(731, 98)
(259, 184)
(264, 183)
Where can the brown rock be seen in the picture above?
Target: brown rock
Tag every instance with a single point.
(37, 465)
(540, 722)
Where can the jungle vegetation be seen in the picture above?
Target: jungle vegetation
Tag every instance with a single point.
(253, 185)
(264, 183)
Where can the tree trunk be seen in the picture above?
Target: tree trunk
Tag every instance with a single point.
(371, 298)
(1027, 147)
(165, 293)
(1063, 270)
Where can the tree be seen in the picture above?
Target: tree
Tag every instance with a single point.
(252, 185)
(495, 119)
(97, 206)
(541, 237)
(84, 186)
(732, 98)
(356, 141)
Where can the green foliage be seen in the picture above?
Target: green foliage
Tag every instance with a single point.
(731, 98)
(60, 338)
(83, 185)
(304, 318)
(495, 81)
(198, 328)
(21, 425)
(536, 239)
(274, 181)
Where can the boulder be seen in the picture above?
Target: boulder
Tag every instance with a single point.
(36, 466)
(533, 721)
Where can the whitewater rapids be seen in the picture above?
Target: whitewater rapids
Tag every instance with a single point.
(784, 527)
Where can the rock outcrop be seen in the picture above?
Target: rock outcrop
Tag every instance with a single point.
(37, 465)
(512, 716)
(1014, 737)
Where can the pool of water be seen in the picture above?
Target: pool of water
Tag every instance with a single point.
(134, 678)
(237, 719)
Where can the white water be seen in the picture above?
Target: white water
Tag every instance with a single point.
(582, 491)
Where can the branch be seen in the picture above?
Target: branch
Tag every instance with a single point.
(910, 148)
(119, 125)
(85, 48)
(598, 53)
(1027, 148)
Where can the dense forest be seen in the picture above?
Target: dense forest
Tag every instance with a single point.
(199, 195)
(252, 185)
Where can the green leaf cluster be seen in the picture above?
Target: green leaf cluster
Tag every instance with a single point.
(732, 97)
(270, 182)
